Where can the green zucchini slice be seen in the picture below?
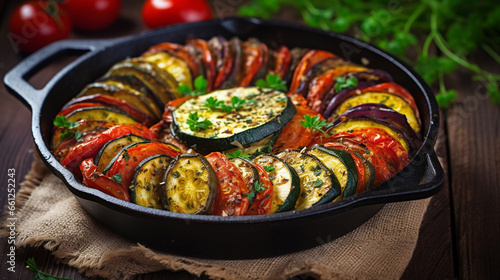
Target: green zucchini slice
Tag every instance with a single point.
(341, 164)
(260, 114)
(264, 146)
(286, 182)
(117, 155)
(100, 113)
(113, 147)
(318, 184)
(190, 185)
(145, 188)
(250, 176)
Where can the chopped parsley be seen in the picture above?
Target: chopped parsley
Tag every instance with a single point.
(342, 82)
(272, 81)
(314, 123)
(236, 154)
(195, 124)
(117, 178)
(200, 87)
(269, 168)
(258, 186)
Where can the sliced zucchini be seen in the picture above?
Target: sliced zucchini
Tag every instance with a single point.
(250, 176)
(137, 99)
(177, 67)
(264, 146)
(286, 182)
(123, 150)
(369, 171)
(161, 83)
(100, 113)
(341, 164)
(261, 115)
(190, 185)
(145, 188)
(112, 148)
(397, 103)
(318, 184)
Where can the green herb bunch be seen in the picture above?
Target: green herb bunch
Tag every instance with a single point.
(455, 28)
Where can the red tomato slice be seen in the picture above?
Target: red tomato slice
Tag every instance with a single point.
(125, 165)
(229, 201)
(294, 135)
(96, 180)
(253, 61)
(306, 63)
(89, 148)
(264, 198)
(282, 61)
(208, 62)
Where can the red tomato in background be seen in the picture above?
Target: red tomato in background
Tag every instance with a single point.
(93, 15)
(156, 13)
(35, 24)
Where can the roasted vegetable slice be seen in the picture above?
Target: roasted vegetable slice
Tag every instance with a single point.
(229, 200)
(190, 185)
(145, 187)
(113, 148)
(101, 113)
(286, 182)
(250, 177)
(86, 129)
(318, 184)
(264, 194)
(95, 179)
(341, 164)
(251, 116)
(177, 67)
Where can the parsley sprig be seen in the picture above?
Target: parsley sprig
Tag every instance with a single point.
(456, 30)
(236, 154)
(195, 124)
(272, 81)
(39, 275)
(62, 121)
(343, 82)
(314, 123)
(236, 104)
(200, 87)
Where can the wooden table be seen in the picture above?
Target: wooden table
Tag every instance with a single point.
(460, 234)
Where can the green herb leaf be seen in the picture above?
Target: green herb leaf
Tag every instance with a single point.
(259, 186)
(272, 81)
(342, 82)
(269, 168)
(195, 124)
(314, 123)
(31, 266)
(126, 156)
(66, 134)
(445, 99)
(61, 121)
(236, 154)
(213, 103)
(78, 136)
(117, 178)
(317, 183)
(249, 195)
(200, 87)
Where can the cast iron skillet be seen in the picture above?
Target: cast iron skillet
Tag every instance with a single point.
(225, 237)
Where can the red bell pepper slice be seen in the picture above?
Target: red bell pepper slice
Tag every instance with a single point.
(312, 58)
(125, 165)
(96, 180)
(89, 148)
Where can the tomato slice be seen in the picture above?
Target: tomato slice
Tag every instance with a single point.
(229, 201)
(208, 62)
(254, 59)
(126, 163)
(96, 180)
(320, 85)
(88, 149)
(294, 135)
(264, 197)
(312, 58)
(282, 59)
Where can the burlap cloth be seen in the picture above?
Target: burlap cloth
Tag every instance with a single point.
(50, 217)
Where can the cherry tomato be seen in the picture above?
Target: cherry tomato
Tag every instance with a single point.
(93, 15)
(157, 13)
(35, 24)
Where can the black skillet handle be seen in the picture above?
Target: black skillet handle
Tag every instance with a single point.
(422, 178)
(16, 80)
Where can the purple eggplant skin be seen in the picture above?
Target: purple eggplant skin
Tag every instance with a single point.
(365, 78)
(216, 46)
(233, 79)
(316, 70)
(384, 115)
